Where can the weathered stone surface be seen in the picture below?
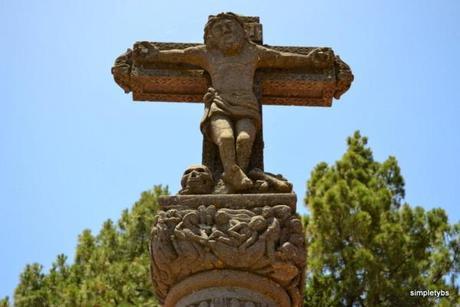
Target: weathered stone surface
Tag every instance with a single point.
(267, 241)
(197, 179)
(227, 288)
(232, 201)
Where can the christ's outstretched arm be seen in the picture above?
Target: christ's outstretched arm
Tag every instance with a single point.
(318, 58)
(146, 52)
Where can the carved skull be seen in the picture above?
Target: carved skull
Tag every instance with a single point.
(197, 179)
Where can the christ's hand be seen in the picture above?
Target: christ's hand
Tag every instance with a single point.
(143, 51)
(322, 58)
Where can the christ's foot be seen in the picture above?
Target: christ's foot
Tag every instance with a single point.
(237, 179)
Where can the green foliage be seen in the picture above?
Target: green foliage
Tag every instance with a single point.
(110, 269)
(5, 302)
(366, 248)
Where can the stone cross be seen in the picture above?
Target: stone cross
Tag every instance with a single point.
(231, 238)
(234, 75)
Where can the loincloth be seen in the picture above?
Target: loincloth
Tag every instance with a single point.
(236, 106)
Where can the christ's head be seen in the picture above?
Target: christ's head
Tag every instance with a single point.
(225, 32)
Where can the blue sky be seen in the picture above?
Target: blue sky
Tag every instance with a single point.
(75, 150)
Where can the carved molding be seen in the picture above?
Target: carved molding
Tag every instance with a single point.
(266, 241)
(227, 288)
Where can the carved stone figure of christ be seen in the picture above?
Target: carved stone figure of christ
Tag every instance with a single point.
(232, 117)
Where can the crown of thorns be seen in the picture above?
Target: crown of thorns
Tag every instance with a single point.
(213, 19)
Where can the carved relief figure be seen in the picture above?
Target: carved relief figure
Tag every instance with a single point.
(231, 119)
(255, 227)
(265, 240)
(189, 229)
(221, 228)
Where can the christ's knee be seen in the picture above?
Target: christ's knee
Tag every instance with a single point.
(244, 139)
(226, 139)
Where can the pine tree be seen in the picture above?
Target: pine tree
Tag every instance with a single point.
(366, 247)
(32, 287)
(4, 302)
(110, 269)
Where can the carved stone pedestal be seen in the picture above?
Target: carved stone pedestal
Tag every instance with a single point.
(228, 250)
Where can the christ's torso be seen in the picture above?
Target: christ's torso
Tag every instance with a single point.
(234, 73)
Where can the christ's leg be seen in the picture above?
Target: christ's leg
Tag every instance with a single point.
(246, 133)
(223, 136)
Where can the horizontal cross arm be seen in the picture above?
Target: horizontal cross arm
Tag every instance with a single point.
(188, 83)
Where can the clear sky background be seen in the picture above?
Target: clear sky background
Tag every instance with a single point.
(75, 150)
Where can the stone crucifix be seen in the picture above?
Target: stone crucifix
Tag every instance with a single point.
(231, 237)
(233, 74)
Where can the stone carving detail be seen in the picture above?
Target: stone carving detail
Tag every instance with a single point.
(344, 77)
(121, 70)
(268, 241)
(265, 182)
(227, 302)
(197, 179)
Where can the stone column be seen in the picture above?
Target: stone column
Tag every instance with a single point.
(228, 250)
